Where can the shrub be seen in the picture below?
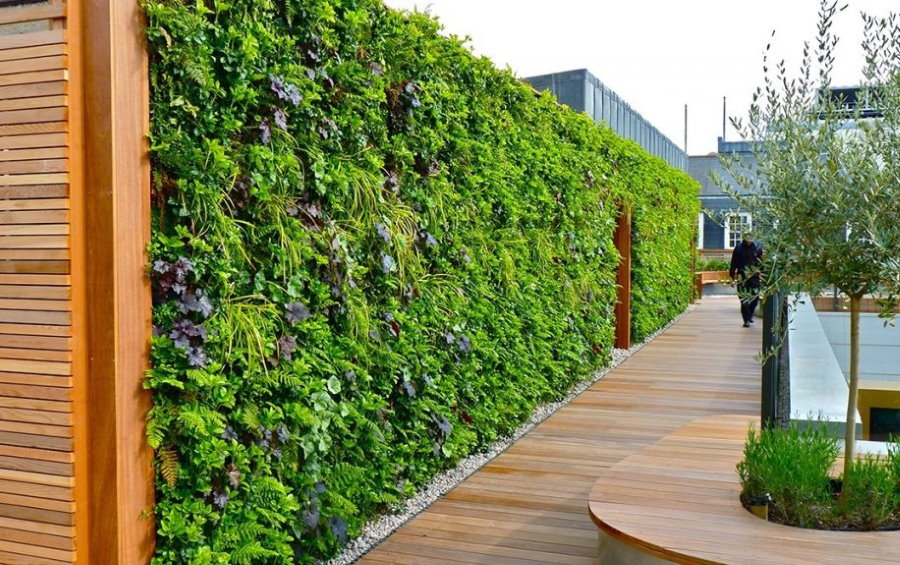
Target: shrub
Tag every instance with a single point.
(373, 254)
(872, 496)
(792, 466)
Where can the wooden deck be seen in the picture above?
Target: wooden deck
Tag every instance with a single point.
(678, 500)
(530, 504)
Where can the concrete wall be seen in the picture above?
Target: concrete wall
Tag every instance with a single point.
(879, 345)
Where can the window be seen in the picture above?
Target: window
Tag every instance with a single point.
(700, 230)
(735, 226)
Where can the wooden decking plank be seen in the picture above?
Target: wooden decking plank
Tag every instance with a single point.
(540, 485)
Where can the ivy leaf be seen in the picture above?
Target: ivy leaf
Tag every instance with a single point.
(287, 345)
(296, 312)
(196, 301)
(234, 475)
(339, 528)
(388, 265)
(197, 357)
(280, 119)
(333, 385)
(310, 517)
(464, 343)
(383, 232)
(429, 239)
(265, 131)
(445, 426)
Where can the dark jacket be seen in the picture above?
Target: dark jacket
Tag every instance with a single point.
(744, 258)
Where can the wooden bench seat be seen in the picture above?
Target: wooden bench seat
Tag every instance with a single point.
(677, 501)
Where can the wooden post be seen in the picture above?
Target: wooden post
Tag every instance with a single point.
(623, 279)
(115, 204)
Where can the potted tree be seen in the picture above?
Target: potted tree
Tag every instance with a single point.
(825, 175)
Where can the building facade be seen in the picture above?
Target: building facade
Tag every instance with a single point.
(583, 92)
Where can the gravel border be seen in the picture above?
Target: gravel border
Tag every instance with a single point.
(379, 529)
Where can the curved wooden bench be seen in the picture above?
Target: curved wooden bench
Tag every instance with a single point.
(677, 501)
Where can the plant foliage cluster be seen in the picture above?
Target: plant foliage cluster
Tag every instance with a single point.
(792, 468)
(373, 254)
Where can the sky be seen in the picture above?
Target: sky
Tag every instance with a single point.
(656, 54)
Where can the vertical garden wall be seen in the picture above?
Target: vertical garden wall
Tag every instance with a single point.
(373, 254)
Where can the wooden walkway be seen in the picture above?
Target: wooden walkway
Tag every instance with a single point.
(530, 504)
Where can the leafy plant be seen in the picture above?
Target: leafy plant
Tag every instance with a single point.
(373, 254)
(791, 465)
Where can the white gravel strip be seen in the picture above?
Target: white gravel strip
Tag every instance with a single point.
(377, 530)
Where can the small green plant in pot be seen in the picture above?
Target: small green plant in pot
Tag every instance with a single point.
(792, 467)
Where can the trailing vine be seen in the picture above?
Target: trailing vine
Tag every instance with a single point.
(373, 254)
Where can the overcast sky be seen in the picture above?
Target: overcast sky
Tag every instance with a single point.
(656, 54)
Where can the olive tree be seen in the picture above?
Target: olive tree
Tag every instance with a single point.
(825, 177)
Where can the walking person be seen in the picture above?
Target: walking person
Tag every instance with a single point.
(745, 261)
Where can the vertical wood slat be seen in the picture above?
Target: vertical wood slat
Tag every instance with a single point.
(37, 359)
(622, 239)
(117, 209)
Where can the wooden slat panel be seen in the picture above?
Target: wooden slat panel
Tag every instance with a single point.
(31, 304)
(34, 242)
(34, 536)
(33, 217)
(32, 116)
(33, 13)
(53, 63)
(21, 328)
(35, 267)
(44, 528)
(37, 153)
(38, 367)
(44, 510)
(31, 129)
(49, 280)
(59, 255)
(29, 40)
(25, 465)
(35, 551)
(31, 52)
(50, 442)
(36, 203)
(33, 291)
(36, 428)
(32, 90)
(36, 490)
(34, 254)
(37, 392)
(58, 216)
(37, 454)
(47, 178)
(38, 140)
(35, 416)
(37, 77)
(36, 478)
(35, 354)
(18, 559)
(33, 229)
(52, 381)
(34, 167)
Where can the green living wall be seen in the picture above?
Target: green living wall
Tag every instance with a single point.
(373, 254)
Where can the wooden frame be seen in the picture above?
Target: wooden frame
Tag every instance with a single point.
(622, 240)
(113, 240)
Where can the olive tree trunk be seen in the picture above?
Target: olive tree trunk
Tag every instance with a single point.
(853, 397)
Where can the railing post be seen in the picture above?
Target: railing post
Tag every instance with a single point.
(772, 350)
